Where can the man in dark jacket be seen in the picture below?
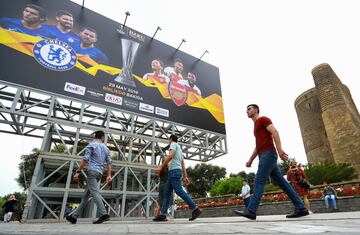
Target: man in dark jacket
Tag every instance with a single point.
(9, 208)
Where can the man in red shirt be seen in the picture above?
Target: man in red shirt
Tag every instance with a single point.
(190, 84)
(157, 67)
(265, 132)
(174, 73)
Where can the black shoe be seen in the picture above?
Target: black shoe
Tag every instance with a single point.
(160, 218)
(71, 219)
(246, 214)
(102, 219)
(195, 213)
(298, 213)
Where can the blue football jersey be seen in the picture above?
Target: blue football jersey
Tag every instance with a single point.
(70, 37)
(16, 25)
(94, 53)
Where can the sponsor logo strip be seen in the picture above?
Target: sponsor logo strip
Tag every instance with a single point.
(73, 88)
(162, 112)
(146, 107)
(113, 99)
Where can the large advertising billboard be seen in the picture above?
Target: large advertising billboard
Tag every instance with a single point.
(62, 48)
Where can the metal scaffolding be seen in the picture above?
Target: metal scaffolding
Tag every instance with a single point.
(135, 142)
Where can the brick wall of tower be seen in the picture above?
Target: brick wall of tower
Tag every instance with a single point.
(312, 127)
(341, 120)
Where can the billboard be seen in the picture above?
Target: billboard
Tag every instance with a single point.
(62, 48)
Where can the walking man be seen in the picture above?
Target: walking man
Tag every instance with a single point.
(177, 171)
(265, 136)
(96, 155)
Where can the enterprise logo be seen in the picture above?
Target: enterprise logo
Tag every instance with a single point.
(73, 88)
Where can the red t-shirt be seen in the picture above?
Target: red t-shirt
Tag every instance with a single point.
(264, 140)
(158, 78)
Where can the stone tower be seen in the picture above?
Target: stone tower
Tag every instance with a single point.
(335, 120)
(312, 128)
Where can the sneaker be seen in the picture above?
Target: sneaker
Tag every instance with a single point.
(102, 219)
(246, 214)
(298, 213)
(311, 212)
(160, 218)
(71, 219)
(195, 213)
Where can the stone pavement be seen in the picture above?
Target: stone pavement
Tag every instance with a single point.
(329, 223)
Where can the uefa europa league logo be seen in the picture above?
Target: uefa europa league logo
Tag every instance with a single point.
(129, 50)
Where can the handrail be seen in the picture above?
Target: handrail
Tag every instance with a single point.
(313, 188)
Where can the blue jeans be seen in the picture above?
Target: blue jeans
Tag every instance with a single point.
(246, 201)
(268, 167)
(332, 196)
(174, 183)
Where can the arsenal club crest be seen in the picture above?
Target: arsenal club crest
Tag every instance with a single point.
(178, 93)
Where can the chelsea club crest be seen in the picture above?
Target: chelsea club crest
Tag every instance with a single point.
(55, 55)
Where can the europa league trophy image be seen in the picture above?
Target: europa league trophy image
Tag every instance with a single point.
(129, 50)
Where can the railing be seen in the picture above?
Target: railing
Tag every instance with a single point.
(343, 189)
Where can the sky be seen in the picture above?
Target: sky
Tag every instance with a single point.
(265, 51)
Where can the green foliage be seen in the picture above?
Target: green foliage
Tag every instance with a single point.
(202, 178)
(229, 185)
(26, 168)
(332, 172)
(58, 148)
(2, 201)
(19, 206)
(27, 165)
(284, 166)
(271, 187)
(250, 177)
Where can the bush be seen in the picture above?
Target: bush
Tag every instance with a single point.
(331, 172)
(230, 185)
(271, 187)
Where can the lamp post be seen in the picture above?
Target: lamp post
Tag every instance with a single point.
(121, 29)
(182, 41)
(157, 29)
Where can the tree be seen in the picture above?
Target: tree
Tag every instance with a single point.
(329, 171)
(231, 185)
(59, 148)
(27, 165)
(26, 168)
(202, 178)
(284, 166)
(249, 176)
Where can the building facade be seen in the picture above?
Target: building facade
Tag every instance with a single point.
(329, 120)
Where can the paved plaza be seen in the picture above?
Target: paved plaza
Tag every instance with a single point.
(329, 223)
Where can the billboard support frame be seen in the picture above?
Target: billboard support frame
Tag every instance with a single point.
(136, 140)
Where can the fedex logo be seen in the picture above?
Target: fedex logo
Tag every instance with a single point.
(73, 88)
